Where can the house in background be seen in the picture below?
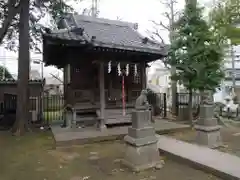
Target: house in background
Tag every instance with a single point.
(35, 74)
(53, 86)
(160, 78)
(228, 81)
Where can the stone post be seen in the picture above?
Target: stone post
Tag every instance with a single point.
(208, 130)
(141, 143)
(74, 119)
(69, 119)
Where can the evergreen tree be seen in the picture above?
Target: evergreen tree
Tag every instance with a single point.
(4, 73)
(224, 17)
(196, 53)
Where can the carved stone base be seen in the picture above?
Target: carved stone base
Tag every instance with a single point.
(139, 158)
(141, 143)
(208, 136)
(69, 119)
(208, 130)
(183, 113)
(74, 120)
(100, 124)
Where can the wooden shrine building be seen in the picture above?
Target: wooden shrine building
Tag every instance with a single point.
(104, 64)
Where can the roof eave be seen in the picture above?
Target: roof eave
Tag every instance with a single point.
(132, 48)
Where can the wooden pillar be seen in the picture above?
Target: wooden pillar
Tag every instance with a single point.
(102, 94)
(143, 76)
(66, 82)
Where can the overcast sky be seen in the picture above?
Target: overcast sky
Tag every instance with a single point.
(136, 11)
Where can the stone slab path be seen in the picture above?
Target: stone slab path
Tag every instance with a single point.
(68, 137)
(217, 163)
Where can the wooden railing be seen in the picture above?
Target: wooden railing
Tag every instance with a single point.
(112, 98)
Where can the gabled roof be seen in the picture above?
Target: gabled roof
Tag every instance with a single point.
(105, 33)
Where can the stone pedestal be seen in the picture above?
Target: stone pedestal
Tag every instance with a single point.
(208, 130)
(141, 143)
(69, 119)
(101, 124)
(183, 112)
(74, 120)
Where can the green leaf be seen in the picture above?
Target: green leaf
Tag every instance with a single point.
(196, 51)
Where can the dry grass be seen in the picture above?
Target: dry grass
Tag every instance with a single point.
(32, 157)
(230, 137)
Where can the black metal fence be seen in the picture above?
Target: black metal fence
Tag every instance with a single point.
(53, 107)
(42, 110)
(9, 103)
(8, 111)
(160, 105)
(49, 109)
(158, 101)
(183, 99)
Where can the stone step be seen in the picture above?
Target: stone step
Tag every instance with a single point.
(85, 118)
(218, 163)
(114, 120)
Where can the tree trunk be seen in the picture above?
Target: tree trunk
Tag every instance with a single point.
(23, 71)
(190, 115)
(173, 69)
(12, 12)
(174, 92)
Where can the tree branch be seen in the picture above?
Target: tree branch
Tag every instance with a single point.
(157, 34)
(12, 12)
(168, 3)
(161, 24)
(56, 77)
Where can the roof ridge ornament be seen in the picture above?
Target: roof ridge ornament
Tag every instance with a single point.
(78, 31)
(93, 38)
(145, 40)
(48, 30)
(135, 26)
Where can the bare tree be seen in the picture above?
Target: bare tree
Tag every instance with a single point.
(171, 15)
(57, 77)
(93, 10)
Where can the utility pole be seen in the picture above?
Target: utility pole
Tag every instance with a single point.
(233, 67)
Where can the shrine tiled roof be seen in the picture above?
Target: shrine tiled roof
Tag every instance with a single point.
(65, 34)
(105, 33)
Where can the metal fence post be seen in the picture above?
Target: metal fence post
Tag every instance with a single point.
(164, 105)
(177, 103)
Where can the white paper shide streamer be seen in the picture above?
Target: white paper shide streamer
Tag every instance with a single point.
(127, 69)
(119, 69)
(135, 70)
(109, 66)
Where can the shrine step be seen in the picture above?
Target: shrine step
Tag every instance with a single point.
(86, 121)
(116, 117)
(86, 118)
(118, 121)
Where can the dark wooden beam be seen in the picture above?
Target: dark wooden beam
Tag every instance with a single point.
(102, 93)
